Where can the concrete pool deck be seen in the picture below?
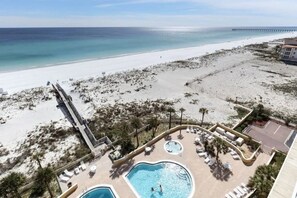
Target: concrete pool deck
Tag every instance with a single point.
(206, 184)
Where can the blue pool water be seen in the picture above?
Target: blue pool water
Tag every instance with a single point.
(99, 192)
(173, 147)
(175, 180)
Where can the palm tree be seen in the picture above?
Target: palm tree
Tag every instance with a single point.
(36, 157)
(203, 111)
(263, 180)
(154, 123)
(43, 179)
(125, 140)
(170, 110)
(219, 146)
(135, 123)
(11, 184)
(44, 175)
(181, 118)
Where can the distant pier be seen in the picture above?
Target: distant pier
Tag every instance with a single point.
(267, 29)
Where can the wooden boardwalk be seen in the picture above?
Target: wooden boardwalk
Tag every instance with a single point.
(96, 146)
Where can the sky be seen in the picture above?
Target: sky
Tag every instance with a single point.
(147, 13)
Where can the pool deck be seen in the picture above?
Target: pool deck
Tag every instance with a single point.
(206, 184)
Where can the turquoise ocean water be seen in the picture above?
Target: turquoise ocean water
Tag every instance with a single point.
(24, 48)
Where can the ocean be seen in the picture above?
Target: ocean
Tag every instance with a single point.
(25, 48)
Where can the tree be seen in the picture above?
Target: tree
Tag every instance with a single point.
(125, 140)
(136, 124)
(170, 110)
(37, 158)
(10, 184)
(203, 111)
(43, 179)
(181, 118)
(219, 147)
(263, 180)
(43, 173)
(154, 123)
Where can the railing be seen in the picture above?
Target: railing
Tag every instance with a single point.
(247, 161)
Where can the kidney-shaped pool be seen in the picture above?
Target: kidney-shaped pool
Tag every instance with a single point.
(166, 179)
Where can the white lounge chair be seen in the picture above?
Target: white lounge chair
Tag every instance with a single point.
(227, 196)
(240, 190)
(244, 187)
(236, 157)
(188, 130)
(148, 149)
(76, 171)
(63, 178)
(199, 150)
(192, 130)
(233, 152)
(232, 194)
(206, 160)
(68, 173)
(197, 140)
(83, 166)
(237, 193)
(211, 162)
(204, 154)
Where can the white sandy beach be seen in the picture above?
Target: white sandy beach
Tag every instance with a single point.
(19, 80)
(235, 74)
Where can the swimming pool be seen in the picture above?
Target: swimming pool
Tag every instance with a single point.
(175, 180)
(173, 147)
(102, 191)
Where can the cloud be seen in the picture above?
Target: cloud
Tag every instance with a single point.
(259, 6)
(146, 20)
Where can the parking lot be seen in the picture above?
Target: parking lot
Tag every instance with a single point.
(272, 135)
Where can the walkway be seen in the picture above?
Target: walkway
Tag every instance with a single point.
(79, 123)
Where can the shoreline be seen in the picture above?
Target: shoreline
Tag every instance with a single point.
(198, 80)
(16, 81)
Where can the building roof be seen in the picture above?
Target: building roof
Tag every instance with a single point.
(289, 46)
(286, 181)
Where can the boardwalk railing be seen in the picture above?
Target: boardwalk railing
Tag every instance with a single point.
(80, 124)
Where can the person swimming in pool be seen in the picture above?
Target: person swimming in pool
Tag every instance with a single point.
(152, 189)
(161, 190)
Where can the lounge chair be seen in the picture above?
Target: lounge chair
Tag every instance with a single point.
(244, 187)
(238, 193)
(76, 171)
(233, 152)
(227, 196)
(232, 194)
(63, 178)
(192, 130)
(241, 190)
(204, 154)
(148, 149)
(199, 150)
(206, 160)
(236, 157)
(68, 173)
(210, 137)
(212, 162)
(188, 130)
(197, 140)
(83, 166)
